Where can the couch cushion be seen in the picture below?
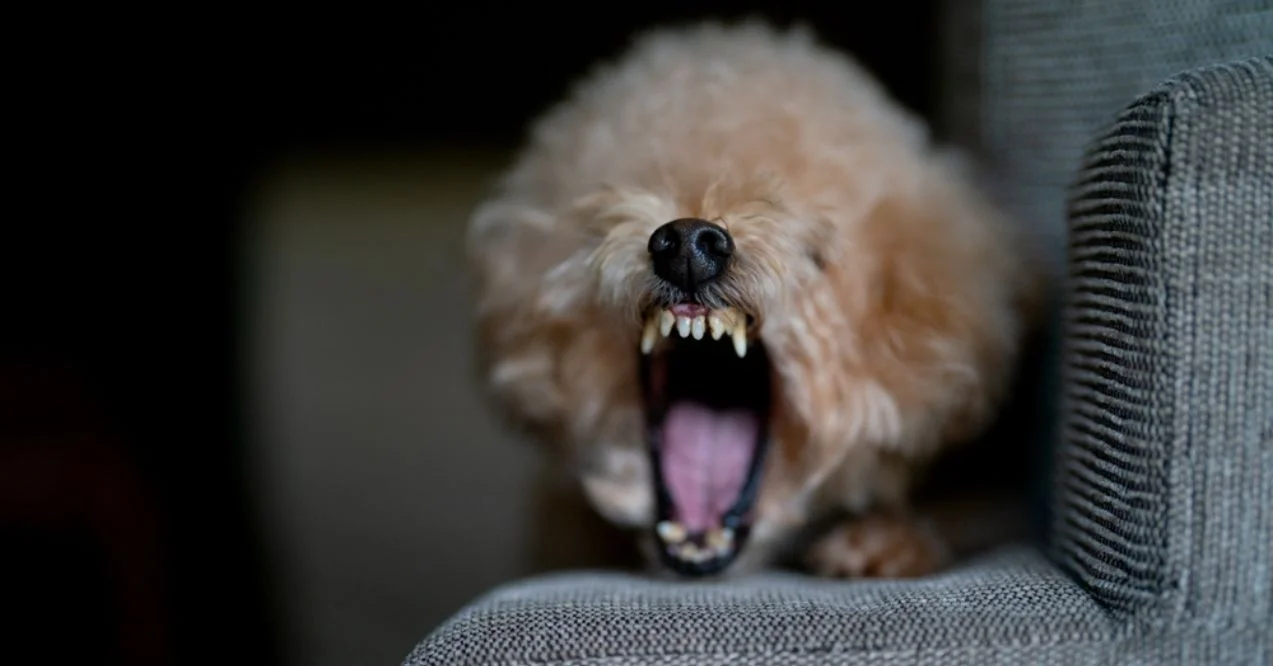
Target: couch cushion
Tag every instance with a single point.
(997, 609)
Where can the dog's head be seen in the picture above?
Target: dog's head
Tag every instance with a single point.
(710, 297)
(705, 361)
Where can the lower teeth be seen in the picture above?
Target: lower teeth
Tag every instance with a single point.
(692, 553)
(720, 539)
(717, 542)
(670, 532)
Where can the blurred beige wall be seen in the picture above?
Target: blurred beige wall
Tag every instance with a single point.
(391, 497)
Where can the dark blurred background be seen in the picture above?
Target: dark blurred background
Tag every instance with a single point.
(237, 422)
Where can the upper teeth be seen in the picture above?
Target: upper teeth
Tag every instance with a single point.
(649, 335)
(666, 319)
(720, 322)
(717, 326)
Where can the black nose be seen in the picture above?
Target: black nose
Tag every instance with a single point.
(689, 252)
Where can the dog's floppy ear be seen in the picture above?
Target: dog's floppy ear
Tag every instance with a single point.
(510, 244)
(509, 250)
(531, 293)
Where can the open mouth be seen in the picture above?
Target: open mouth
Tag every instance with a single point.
(707, 399)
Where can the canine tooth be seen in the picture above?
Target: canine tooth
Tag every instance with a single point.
(666, 320)
(740, 341)
(683, 326)
(670, 532)
(699, 327)
(649, 335)
(717, 326)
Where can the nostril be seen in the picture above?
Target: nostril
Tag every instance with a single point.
(663, 240)
(714, 240)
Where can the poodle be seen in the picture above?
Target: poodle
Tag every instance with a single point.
(731, 286)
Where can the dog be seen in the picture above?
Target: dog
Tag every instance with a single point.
(734, 289)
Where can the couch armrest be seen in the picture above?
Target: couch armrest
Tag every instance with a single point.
(1164, 488)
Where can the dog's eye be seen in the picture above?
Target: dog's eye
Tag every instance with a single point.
(816, 257)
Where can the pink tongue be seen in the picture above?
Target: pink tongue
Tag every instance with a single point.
(706, 454)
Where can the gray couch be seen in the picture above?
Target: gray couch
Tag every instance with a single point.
(1159, 532)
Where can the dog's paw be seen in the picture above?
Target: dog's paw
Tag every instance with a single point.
(877, 546)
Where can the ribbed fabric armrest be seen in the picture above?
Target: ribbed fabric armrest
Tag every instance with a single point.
(1164, 489)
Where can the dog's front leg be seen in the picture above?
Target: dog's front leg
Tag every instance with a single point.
(878, 545)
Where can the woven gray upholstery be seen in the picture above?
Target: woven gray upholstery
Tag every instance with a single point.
(1165, 478)
(1054, 72)
(1166, 484)
(985, 613)
(1027, 83)
(1008, 608)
